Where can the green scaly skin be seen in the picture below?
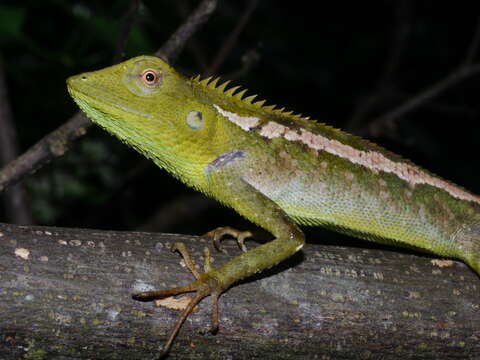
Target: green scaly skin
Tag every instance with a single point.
(239, 152)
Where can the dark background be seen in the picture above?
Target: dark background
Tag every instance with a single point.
(345, 63)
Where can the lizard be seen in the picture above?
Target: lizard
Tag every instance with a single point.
(276, 168)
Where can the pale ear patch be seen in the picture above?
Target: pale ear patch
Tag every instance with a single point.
(194, 119)
(245, 122)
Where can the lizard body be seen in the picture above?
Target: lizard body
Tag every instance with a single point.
(275, 168)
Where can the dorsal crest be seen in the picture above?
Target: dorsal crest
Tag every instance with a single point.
(237, 94)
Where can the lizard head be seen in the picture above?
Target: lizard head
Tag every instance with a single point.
(127, 98)
(148, 105)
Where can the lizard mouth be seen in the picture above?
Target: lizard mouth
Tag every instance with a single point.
(78, 87)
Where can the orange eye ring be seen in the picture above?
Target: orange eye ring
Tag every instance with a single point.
(150, 77)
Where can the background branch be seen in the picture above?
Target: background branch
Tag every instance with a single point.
(175, 44)
(56, 143)
(387, 121)
(231, 40)
(473, 49)
(398, 43)
(51, 146)
(125, 29)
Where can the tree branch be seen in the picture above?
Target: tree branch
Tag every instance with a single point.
(65, 294)
(402, 29)
(387, 120)
(472, 50)
(51, 146)
(126, 27)
(175, 44)
(466, 70)
(231, 39)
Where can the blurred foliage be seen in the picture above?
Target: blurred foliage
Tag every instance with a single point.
(320, 59)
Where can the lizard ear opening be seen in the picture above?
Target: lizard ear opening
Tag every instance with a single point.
(194, 119)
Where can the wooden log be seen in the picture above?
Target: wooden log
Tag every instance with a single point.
(66, 294)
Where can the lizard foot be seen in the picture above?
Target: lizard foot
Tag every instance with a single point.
(204, 285)
(218, 233)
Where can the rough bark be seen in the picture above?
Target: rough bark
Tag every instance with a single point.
(65, 294)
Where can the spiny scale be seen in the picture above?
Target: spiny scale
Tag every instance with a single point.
(240, 96)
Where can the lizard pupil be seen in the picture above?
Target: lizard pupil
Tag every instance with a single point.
(150, 77)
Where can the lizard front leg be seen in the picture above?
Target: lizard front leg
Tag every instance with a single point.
(260, 209)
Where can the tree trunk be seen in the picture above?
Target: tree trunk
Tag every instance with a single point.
(66, 294)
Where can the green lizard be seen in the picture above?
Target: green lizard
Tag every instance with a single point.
(276, 169)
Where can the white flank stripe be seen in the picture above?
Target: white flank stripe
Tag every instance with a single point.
(372, 160)
(245, 122)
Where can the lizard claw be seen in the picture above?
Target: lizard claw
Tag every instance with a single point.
(218, 233)
(204, 286)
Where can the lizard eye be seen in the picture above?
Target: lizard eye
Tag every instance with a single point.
(150, 77)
